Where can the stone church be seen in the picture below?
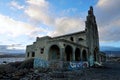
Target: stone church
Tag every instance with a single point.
(78, 46)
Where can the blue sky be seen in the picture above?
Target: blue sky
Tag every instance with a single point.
(21, 21)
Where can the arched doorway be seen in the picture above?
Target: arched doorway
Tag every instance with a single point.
(68, 51)
(54, 53)
(84, 55)
(95, 54)
(77, 54)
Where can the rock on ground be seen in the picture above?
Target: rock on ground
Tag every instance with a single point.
(20, 71)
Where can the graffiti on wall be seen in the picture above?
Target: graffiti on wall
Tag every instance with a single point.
(91, 60)
(78, 65)
(55, 64)
(40, 63)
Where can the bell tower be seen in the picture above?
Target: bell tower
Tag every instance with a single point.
(92, 37)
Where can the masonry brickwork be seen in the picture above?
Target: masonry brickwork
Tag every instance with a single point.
(78, 46)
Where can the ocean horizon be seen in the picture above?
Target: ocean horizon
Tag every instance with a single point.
(11, 59)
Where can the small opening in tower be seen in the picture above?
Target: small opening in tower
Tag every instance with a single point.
(71, 38)
(86, 30)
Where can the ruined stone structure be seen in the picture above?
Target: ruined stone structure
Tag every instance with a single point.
(79, 46)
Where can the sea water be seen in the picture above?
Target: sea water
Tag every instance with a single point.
(8, 60)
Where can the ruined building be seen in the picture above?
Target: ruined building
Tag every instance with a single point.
(78, 46)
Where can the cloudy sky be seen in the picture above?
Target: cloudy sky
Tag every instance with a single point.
(21, 21)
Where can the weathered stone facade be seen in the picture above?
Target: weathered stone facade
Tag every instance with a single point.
(79, 46)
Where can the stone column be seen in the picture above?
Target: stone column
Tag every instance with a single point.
(73, 53)
(81, 54)
(62, 54)
(61, 57)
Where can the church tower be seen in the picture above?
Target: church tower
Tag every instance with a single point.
(92, 35)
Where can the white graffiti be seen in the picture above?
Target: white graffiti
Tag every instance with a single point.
(40, 63)
(75, 65)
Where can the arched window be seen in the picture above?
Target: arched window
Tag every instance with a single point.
(84, 55)
(68, 51)
(77, 54)
(54, 52)
(95, 54)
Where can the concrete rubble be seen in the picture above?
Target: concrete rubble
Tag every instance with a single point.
(110, 71)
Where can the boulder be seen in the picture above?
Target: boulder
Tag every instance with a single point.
(27, 64)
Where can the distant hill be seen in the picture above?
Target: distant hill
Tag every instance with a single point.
(8, 55)
(12, 51)
(5, 50)
(109, 48)
(111, 51)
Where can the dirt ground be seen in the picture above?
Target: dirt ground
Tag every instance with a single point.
(110, 71)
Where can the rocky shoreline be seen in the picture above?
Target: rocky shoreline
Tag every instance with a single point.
(15, 70)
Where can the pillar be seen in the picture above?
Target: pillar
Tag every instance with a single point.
(73, 53)
(62, 55)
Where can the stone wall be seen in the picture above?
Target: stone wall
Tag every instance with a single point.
(78, 37)
(60, 65)
(92, 37)
(79, 46)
